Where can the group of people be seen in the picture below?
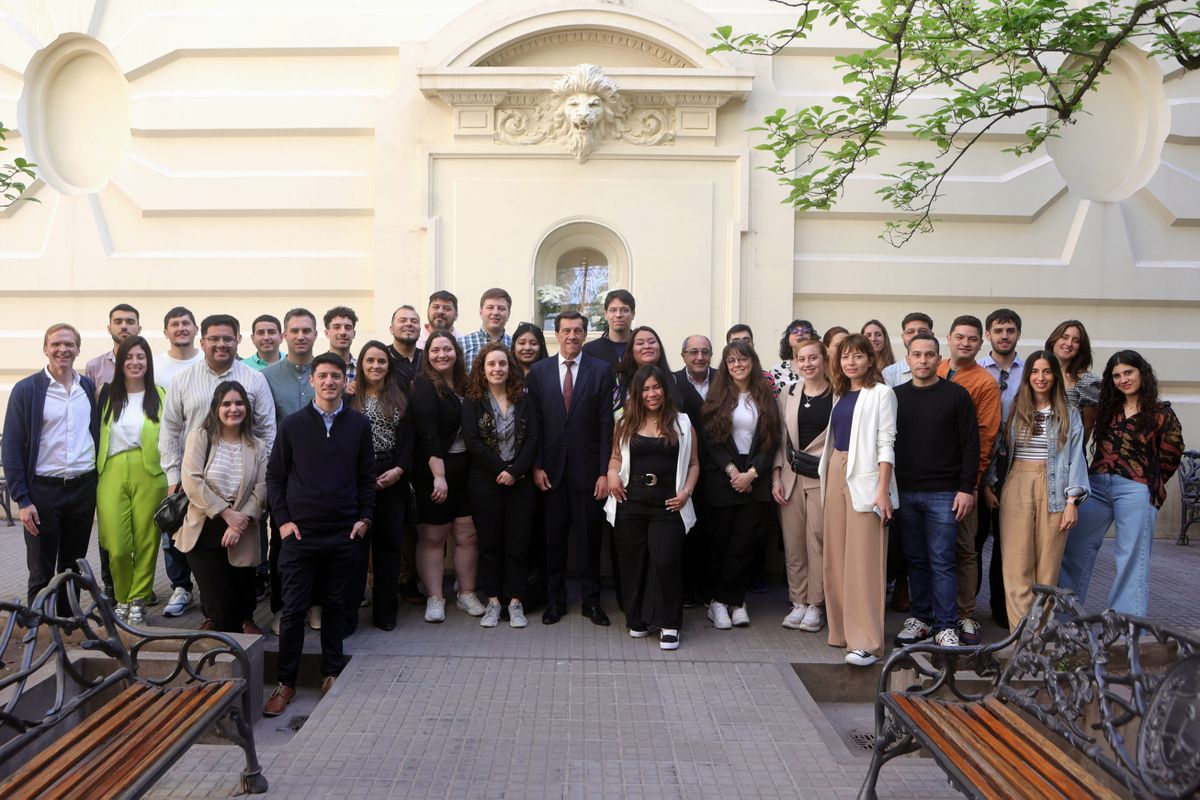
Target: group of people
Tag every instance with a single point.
(335, 481)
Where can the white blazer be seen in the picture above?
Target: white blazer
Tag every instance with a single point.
(872, 441)
(688, 512)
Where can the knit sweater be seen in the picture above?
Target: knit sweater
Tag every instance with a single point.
(937, 438)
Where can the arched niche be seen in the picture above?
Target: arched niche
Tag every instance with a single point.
(576, 263)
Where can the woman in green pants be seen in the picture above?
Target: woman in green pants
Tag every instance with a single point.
(132, 483)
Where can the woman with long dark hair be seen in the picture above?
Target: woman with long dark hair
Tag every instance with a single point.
(881, 343)
(500, 429)
(859, 495)
(1139, 444)
(651, 476)
(787, 372)
(645, 347)
(740, 432)
(132, 482)
(377, 394)
(224, 474)
(440, 469)
(1046, 474)
(1070, 344)
(528, 346)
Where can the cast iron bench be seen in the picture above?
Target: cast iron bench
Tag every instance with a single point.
(143, 725)
(1072, 690)
(1189, 493)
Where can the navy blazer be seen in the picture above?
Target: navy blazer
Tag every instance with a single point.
(576, 445)
(23, 430)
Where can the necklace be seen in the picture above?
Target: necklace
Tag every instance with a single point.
(808, 400)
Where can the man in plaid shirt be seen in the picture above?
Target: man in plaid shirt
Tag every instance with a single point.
(494, 307)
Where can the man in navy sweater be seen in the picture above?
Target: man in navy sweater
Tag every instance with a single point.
(321, 488)
(937, 465)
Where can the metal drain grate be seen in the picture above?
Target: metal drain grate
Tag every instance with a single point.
(863, 741)
(294, 723)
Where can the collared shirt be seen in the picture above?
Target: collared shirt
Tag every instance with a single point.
(896, 374)
(562, 370)
(473, 342)
(328, 417)
(426, 331)
(65, 447)
(291, 389)
(700, 386)
(101, 369)
(404, 365)
(351, 367)
(1009, 381)
(189, 399)
(256, 361)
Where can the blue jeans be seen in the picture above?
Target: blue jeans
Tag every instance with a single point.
(176, 566)
(1113, 499)
(930, 534)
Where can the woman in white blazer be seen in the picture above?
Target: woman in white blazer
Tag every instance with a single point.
(859, 496)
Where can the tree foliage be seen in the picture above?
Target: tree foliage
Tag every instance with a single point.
(978, 61)
(14, 177)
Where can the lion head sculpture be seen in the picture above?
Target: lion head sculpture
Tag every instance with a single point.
(583, 108)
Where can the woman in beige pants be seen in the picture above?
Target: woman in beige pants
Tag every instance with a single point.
(859, 496)
(796, 486)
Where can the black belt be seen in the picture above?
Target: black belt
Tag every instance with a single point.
(65, 483)
(648, 479)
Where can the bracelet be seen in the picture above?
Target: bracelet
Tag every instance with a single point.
(689, 491)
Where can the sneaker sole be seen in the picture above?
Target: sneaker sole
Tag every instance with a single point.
(905, 643)
(792, 626)
(745, 624)
(515, 625)
(173, 614)
(668, 645)
(811, 628)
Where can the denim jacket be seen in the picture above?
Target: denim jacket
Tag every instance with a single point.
(1066, 468)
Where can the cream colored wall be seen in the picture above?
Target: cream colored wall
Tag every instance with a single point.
(248, 157)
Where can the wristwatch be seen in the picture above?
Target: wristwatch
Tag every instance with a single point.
(1078, 499)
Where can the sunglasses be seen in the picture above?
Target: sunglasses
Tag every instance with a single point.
(1040, 418)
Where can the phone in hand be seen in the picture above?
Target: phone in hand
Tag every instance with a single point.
(879, 513)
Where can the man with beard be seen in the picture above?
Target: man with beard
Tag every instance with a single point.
(899, 373)
(405, 355)
(123, 322)
(1003, 331)
(340, 325)
(179, 326)
(187, 404)
(442, 313)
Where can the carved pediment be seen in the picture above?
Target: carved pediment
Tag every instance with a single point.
(560, 48)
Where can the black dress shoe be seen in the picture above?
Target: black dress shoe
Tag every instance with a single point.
(386, 625)
(596, 615)
(552, 614)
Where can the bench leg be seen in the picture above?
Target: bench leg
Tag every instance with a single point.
(890, 741)
(242, 734)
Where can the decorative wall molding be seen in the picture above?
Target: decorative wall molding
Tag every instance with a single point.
(575, 38)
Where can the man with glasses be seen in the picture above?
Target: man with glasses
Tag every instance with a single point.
(187, 404)
(900, 372)
(619, 311)
(1003, 331)
(691, 384)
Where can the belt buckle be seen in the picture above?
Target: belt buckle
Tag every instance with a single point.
(649, 479)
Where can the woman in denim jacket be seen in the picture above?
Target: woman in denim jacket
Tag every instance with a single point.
(1045, 484)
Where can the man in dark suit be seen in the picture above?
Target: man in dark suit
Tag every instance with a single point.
(51, 433)
(691, 384)
(573, 394)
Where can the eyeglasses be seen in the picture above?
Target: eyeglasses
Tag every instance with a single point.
(799, 331)
(736, 360)
(1040, 418)
(698, 351)
(214, 340)
(1003, 380)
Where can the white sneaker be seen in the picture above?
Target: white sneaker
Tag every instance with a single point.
(634, 633)
(470, 604)
(914, 631)
(795, 616)
(814, 619)
(719, 614)
(491, 615)
(668, 639)
(739, 616)
(122, 611)
(947, 637)
(181, 598)
(275, 620)
(435, 609)
(516, 614)
(860, 658)
(314, 618)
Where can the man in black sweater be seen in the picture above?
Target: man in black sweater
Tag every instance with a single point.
(321, 487)
(937, 458)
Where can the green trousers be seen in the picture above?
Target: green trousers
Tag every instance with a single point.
(126, 497)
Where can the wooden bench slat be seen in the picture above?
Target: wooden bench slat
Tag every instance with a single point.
(998, 749)
(1038, 753)
(1035, 738)
(931, 730)
(1002, 784)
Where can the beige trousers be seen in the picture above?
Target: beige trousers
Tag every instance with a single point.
(855, 565)
(1032, 546)
(802, 523)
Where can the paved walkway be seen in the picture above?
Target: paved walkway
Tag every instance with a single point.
(576, 711)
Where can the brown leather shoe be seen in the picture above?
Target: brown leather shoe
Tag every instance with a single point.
(277, 703)
(327, 684)
(249, 627)
(207, 625)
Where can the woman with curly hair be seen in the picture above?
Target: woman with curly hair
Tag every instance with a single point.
(1139, 444)
(787, 372)
(740, 420)
(500, 429)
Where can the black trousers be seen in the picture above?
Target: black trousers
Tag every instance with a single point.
(650, 548)
(227, 591)
(566, 508)
(503, 521)
(334, 565)
(989, 525)
(696, 580)
(386, 539)
(897, 564)
(735, 533)
(66, 512)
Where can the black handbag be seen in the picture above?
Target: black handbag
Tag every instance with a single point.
(802, 463)
(171, 512)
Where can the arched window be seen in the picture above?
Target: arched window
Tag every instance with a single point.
(577, 264)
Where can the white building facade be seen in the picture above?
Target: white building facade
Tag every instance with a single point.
(248, 157)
